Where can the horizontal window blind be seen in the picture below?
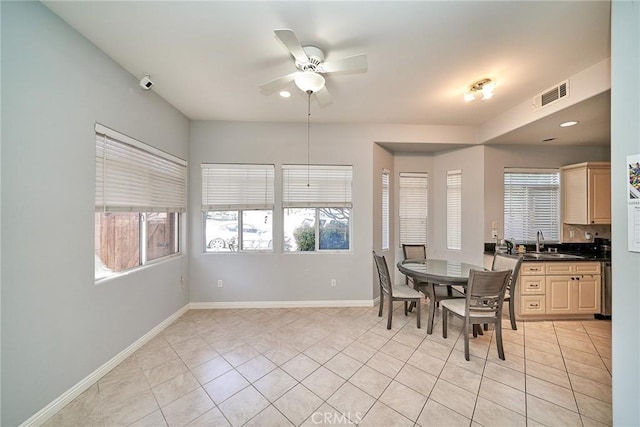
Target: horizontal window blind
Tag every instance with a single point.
(385, 210)
(413, 208)
(316, 186)
(454, 210)
(134, 177)
(237, 186)
(531, 203)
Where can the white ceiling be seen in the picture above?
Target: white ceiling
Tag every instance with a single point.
(207, 58)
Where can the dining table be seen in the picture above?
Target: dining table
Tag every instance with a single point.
(429, 273)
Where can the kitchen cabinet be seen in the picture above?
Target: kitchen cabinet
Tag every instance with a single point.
(586, 193)
(555, 290)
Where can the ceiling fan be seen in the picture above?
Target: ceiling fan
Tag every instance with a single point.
(309, 60)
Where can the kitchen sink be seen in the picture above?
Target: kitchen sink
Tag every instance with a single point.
(550, 256)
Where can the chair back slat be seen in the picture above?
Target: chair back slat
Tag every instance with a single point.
(485, 291)
(383, 274)
(414, 251)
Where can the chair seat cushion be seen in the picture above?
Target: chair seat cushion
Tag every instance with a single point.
(404, 291)
(457, 306)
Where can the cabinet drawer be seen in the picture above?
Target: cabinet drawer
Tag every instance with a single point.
(587, 268)
(580, 267)
(532, 304)
(532, 268)
(559, 267)
(532, 285)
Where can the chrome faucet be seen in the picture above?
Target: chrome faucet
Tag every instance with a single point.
(539, 241)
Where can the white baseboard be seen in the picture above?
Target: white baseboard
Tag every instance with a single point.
(280, 304)
(67, 397)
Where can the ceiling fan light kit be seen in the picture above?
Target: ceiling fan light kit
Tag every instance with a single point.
(484, 86)
(309, 81)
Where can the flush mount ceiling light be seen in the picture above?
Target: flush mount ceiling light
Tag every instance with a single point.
(285, 93)
(568, 124)
(484, 86)
(309, 81)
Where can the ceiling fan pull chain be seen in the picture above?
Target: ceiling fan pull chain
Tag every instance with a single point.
(308, 131)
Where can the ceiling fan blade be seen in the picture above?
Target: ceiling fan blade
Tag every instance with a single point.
(323, 96)
(289, 39)
(350, 63)
(278, 83)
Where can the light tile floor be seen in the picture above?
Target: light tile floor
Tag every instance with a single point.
(341, 366)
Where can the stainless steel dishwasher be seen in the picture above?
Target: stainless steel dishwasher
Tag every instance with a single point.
(605, 298)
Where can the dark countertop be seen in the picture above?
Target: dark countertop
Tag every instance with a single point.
(585, 252)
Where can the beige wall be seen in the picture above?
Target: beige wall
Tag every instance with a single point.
(383, 160)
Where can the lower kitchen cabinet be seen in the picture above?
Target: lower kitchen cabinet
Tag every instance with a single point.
(558, 289)
(572, 294)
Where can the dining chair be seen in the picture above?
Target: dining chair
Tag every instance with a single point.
(512, 263)
(394, 292)
(483, 304)
(412, 251)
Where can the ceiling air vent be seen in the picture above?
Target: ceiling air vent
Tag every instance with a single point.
(552, 95)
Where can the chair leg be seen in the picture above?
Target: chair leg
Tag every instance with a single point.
(390, 313)
(432, 306)
(418, 314)
(381, 302)
(406, 307)
(465, 331)
(512, 316)
(499, 339)
(445, 316)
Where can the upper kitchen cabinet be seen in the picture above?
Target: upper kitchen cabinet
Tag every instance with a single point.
(586, 193)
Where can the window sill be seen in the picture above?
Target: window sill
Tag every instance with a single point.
(150, 264)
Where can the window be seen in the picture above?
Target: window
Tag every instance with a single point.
(413, 208)
(454, 210)
(531, 203)
(140, 193)
(385, 210)
(317, 207)
(237, 207)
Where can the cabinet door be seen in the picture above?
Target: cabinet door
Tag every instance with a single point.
(600, 196)
(587, 294)
(558, 294)
(574, 196)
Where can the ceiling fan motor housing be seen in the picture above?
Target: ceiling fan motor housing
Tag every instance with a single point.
(316, 57)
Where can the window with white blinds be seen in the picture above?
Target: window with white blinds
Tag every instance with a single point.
(413, 208)
(454, 210)
(139, 197)
(385, 210)
(316, 201)
(134, 177)
(237, 186)
(316, 186)
(531, 203)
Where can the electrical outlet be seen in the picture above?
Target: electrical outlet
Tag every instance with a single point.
(333, 282)
(219, 283)
(572, 234)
